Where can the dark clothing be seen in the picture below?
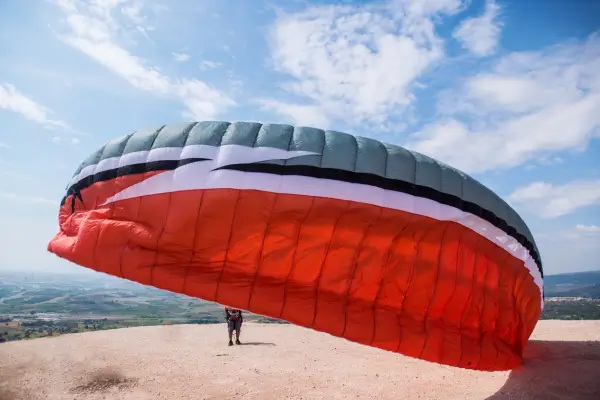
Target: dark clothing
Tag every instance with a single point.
(232, 314)
(234, 319)
(234, 325)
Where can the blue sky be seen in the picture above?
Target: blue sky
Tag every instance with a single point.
(508, 91)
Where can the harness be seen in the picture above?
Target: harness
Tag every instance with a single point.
(235, 315)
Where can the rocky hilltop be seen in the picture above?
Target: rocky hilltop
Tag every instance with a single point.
(283, 362)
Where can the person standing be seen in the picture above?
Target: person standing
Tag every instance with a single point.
(234, 319)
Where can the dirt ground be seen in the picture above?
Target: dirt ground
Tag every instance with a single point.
(283, 362)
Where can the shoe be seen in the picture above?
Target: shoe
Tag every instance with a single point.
(230, 343)
(238, 342)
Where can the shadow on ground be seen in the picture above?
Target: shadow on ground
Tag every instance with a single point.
(258, 344)
(555, 370)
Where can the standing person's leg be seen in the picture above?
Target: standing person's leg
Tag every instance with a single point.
(238, 329)
(230, 328)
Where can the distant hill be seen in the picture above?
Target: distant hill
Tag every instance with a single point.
(589, 277)
(587, 291)
(577, 284)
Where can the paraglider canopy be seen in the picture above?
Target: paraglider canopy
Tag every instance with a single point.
(342, 234)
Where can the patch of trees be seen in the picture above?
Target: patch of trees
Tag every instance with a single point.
(572, 310)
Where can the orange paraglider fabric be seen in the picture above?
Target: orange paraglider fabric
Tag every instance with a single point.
(396, 280)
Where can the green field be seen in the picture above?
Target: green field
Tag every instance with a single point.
(45, 305)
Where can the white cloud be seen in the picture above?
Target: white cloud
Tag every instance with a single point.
(529, 106)
(25, 238)
(13, 100)
(551, 201)
(93, 29)
(24, 199)
(569, 250)
(356, 63)
(582, 236)
(133, 11)
(181, 57)
(207, 64)
(10, 172)
(545, 160)
(480, 35)
(201, 100)
(587, 228)
(4, 146)
(60, 139)
(303, 114)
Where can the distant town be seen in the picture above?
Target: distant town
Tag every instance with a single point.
(34, 305)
